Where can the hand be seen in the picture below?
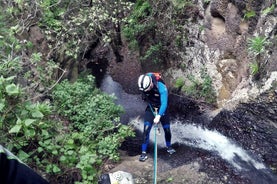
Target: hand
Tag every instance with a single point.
(157, 119)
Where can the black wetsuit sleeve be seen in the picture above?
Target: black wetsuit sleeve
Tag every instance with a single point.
(12, 171)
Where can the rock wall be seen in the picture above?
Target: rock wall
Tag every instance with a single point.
(223, 48)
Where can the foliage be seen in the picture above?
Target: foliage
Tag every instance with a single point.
(96, 132)
(19, 57)
(179, 83)
(169, 180)
(158, 22)
(136, 25)
(179, 4)
(92, 137)
(257, 44)
(268, 10)
(254, 68)
(22, 122)
(85, 134)
(75, 24)
(201, 89)
(153, 53)
(249, 14)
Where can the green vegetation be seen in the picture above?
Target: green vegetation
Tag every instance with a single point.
(256, 46)
(74, 134)
(153, 53)
(269, 10)
(254, 68)
(179, 83)
(169, 180)
(95, 132)
(249, 14)
(179, 4)
(136, 25)
(86, 133)
(207, 1)
(153, 25)
(198, 89)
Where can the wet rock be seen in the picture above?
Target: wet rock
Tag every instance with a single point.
(254, 126)
(182, 105)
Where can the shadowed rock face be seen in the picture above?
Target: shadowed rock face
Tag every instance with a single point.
(254, 126)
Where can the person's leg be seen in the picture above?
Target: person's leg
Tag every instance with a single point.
(146, 134)
(167, 133)
(148, 122)
(166, 126)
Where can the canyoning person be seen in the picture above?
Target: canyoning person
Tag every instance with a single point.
(155, 92)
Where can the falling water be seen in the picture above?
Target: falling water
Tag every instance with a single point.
(213, 141)
(199, 137)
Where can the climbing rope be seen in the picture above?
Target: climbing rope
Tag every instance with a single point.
(155, 148)
(155, 155)
(155, 144)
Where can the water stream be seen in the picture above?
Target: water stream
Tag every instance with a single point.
(187, 133)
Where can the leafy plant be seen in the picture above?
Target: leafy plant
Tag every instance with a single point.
(268, 9)
(96, 132)
(153, 53)
(135, 25)
(92, 134)
(169, 180)
(257, 44)
(179, 83)
(249, 14)
(179, 4)
(20, 120)
(201, 89)
(254, 68)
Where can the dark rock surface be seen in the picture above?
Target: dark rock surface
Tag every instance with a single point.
(253, 126)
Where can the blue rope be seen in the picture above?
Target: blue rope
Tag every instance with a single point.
(155, 156)
(155, 147)
(151, 108)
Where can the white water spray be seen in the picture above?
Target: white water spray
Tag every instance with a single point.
(212, 141)
(205, 139)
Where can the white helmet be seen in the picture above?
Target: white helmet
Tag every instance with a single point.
(144, 82)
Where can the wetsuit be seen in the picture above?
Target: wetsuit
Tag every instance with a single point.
(157, 97)
(13, 171)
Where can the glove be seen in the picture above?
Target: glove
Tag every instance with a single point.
(157, 119)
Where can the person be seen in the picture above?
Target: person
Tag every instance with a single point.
(155, 92)
(14, 171)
